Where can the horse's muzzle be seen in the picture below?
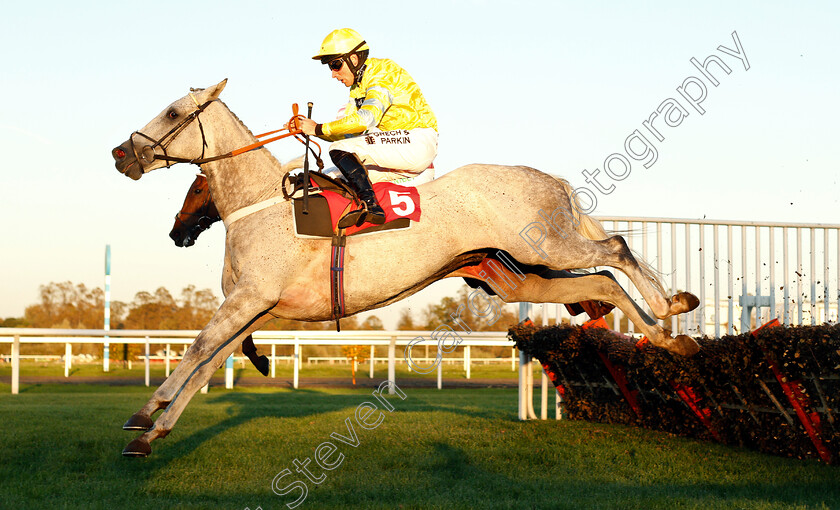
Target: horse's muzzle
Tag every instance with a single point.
(126, 161)
(183, 238)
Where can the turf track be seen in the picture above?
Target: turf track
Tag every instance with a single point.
(458, 448)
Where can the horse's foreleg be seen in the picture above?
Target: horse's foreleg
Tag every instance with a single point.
(142, 419)
(601, 287)
(241, 314)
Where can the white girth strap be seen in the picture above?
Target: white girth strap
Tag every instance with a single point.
(251, 209)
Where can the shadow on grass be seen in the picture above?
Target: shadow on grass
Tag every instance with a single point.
(244, 407)
(65, 450)
(451, 477)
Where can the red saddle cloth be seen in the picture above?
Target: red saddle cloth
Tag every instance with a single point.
(397, 201)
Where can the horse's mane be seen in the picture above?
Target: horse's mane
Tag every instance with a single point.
(281, 168)
(235, 116)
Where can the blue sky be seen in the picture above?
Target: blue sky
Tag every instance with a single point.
(556, 85)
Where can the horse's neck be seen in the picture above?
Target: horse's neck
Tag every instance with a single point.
(242, 180)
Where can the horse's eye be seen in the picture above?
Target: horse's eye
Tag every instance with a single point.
(173, 114)
(197, 192)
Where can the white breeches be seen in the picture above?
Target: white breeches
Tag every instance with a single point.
(394, 156)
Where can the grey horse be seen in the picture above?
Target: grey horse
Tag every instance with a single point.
(467, 215)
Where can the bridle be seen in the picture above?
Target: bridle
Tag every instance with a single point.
(149, 154)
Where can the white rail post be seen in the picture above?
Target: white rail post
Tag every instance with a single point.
(786, 294)
(730, 327)
(813, 270)
(16, 365)
(147, 361)
(513, 358)
(229, 372)
(296, 376)
(166, 358)
(687, 317)
(799, 271)
(674, 321)
(273, 361)
(825, 275)
(467, 360)
(372, 359)
(746, 325)
(529, 402)
(440, 375)
(68, 356)
(544, 397)
(392, 348)
(772, 273)
(702, 308)
(716, 260)
(629, 288)
(757, 275)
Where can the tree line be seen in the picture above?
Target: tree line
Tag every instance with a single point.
(66, 305)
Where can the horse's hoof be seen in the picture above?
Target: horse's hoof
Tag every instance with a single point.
(684, 345)
(683, 302)
(138, 422)
(137, 448)
(262, 365)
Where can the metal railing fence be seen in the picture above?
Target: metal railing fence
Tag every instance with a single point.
(745, 273)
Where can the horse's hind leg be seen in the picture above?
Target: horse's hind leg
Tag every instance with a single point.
(577, 252)
(602, 287)
(259, 361)
(646, 282)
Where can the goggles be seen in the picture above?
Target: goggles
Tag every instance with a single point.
(336, 65)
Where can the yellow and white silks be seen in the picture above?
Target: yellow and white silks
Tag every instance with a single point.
(388, 124)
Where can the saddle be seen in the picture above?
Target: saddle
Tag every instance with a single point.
(329, 199)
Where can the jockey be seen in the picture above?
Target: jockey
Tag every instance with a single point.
(387, 130)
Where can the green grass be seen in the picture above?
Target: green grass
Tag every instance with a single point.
(60, 448)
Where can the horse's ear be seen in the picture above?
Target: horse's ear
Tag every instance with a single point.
(216, 90)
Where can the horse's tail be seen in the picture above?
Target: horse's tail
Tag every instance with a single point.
(590, 228)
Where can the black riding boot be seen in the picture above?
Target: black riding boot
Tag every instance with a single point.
(357, 177)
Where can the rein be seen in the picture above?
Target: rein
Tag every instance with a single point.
(149, 154)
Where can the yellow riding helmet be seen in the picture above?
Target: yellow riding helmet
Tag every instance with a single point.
(340, 42)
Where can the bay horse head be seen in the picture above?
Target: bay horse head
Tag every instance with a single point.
(196, 215)
(176, 135)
